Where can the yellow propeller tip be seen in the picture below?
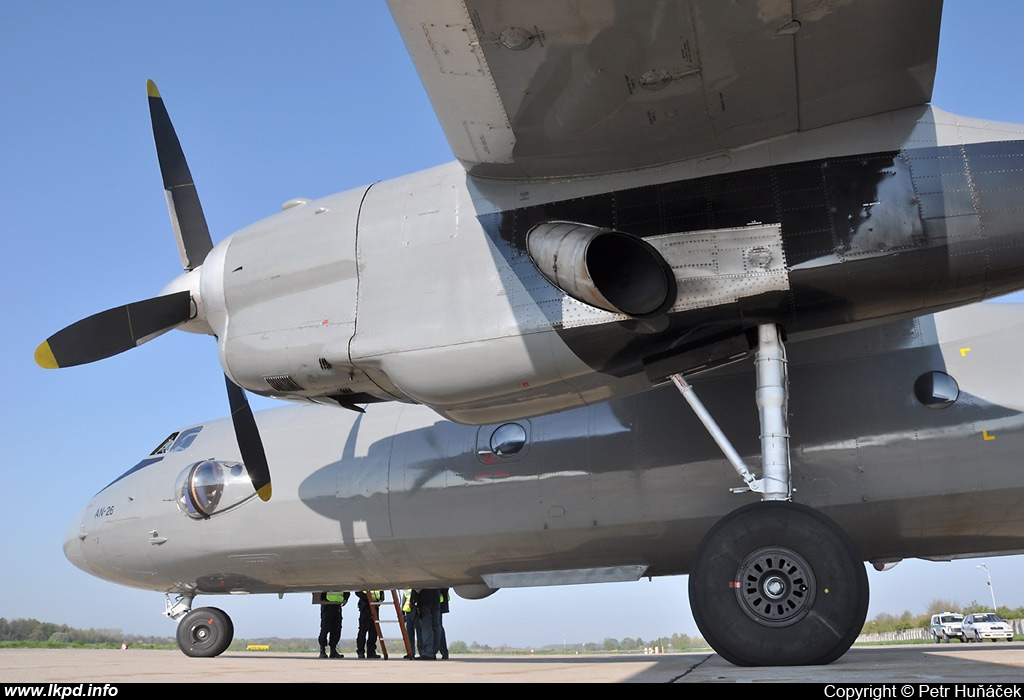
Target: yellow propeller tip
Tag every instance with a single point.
(151, 89)
(264, 493)
(44, 356)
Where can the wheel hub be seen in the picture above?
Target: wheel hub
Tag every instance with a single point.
(775, 586)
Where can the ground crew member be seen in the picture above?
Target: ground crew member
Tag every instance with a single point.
(428, 600)
(366, 640)
(442, 643)
(330, 623)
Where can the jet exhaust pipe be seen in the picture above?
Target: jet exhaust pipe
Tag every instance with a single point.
(611, 270)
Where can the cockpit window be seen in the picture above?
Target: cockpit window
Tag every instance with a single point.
(178, 441)
(210, 487)
(185, 439)
(165, 445)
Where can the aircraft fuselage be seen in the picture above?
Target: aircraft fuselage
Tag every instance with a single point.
(396, 497)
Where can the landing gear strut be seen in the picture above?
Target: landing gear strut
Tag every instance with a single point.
(774, 583)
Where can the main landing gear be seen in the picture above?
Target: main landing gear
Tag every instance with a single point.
(203, 632)
(774, 583)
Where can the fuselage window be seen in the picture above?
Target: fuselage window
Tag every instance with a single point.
(507, 440)
(936, 390)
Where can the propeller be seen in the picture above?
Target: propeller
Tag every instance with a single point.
(122, 328)
(249, 443)
(187, 217)
(113, 331)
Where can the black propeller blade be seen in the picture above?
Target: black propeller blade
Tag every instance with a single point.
(187, 217)
(113, 331)
(249, 443)
(125, 327)
(194, 243)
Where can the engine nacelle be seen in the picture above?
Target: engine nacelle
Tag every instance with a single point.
(288, 288)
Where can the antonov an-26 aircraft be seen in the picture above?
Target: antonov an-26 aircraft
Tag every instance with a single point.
(687, 303)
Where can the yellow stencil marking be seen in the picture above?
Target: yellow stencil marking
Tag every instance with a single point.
(986, 436)
(964, 351)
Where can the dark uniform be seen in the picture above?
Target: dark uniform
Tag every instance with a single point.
(366, 640)
(442, 643)
(330, 624)
(428, 600)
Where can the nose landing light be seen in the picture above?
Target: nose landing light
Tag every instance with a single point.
(212, 486)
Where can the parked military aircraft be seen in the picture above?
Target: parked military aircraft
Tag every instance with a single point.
(644, 194)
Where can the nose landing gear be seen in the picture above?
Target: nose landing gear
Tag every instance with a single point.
(203, 632)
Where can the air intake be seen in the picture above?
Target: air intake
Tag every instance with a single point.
(283, 384)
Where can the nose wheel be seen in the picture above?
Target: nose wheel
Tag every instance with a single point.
(205, 632)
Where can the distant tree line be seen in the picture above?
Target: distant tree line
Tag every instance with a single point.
(677, 642)
(34, 631)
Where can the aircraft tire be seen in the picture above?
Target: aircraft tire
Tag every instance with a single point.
(778, 584)
(205, 632)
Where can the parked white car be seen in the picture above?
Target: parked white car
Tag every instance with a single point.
(946, 626)
(978, 627)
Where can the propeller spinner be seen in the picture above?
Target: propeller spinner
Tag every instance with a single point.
(122, 328)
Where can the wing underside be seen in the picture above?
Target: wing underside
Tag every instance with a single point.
(564, 88)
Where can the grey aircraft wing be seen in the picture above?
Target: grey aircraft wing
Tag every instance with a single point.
(563, 88)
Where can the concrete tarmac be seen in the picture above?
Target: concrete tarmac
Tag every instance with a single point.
(921, 663)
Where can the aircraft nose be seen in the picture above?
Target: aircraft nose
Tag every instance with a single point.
(73, 543)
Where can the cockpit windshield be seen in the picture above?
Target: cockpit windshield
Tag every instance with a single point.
(178, 441)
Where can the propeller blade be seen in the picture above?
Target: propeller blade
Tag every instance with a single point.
(113, 331)
(249, 443)
(187, 217)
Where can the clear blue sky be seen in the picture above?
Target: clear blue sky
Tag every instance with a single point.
(271, 100)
